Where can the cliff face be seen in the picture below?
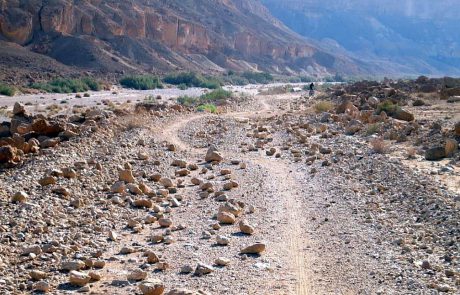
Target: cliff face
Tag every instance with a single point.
(160, 35)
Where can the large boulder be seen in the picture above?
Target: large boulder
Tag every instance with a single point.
(44, 127)
(403, 115)
(449, 92)
(435, 154)
(19, 109)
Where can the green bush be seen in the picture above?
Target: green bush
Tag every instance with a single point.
(191, 79)
(388, 107)
(211, 108)
(141, 82)
(307, 79)
(187, 100)
(7, 90)
(219, 94)
(68, 85)
(258, 77)
(182, 87)
(324, 106)
(373, 129)
(207, 98)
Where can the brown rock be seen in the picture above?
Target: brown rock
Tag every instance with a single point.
(143, 203)
(152, 257)
(246, 228)
(20, 197)
(137, 275)
(9, 154)
(79, 279)
(19, 109)
(38, 275)
(403, 115)
(47, 180)
(165, 222)
(257, 248)
(152, 287)
(213, 155)
(126, 175)
(451, 147)
(42, 287)
(226, 218)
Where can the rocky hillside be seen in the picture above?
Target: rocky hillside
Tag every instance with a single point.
(112, 36)
(400, 37)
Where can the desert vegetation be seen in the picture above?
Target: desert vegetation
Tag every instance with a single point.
(68, 85)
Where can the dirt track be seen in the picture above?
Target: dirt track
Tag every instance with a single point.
(325, 228)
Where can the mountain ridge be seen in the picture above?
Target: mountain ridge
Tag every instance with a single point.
(161, 36)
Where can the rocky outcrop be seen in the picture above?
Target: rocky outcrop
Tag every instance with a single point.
(160, 35)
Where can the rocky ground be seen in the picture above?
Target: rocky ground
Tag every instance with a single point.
(278, 194)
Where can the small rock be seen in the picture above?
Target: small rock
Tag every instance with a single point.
(126, 175)
(221, 261)
(213, 155)
(256, 248)
(222, 240)
(246, 228)
(186, 269)
(42, 287)
(152, 287)
(165, 222)
(38, 275)
(47, 180)
(226, 218)
(79, 279)
(72, 265)
(166, 182)
(95, 276)
(137, 275)
(203, 269)
(20, 197)
(152, 257)
(113, 236)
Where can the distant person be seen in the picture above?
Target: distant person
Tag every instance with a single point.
(312, 89)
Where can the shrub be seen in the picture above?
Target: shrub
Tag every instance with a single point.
(182, 87)
(187, 100)
(211, 108)
(388, 107)
(141, 82)
(68, 85)
(258, 77)
(324, 106)
(307, 79)
(373, 129)
(191, 79)
(7, 90)
(379, 146)
(219, 94)
(207, 98)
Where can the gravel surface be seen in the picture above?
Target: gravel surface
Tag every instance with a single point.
(171, 195)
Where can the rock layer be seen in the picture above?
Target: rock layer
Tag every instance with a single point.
(162, 35)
